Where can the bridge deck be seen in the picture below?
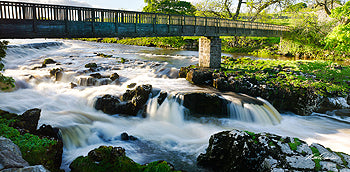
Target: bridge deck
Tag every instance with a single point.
(29, 20)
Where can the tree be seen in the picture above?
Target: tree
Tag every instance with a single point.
(169, 7)
(339, 38)
(219, 8)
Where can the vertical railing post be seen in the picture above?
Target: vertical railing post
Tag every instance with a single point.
(195, 24)
(1, 3)
(116, 23)
(206, 25)
(24, 12)
(102, 16)
(137, 20)
(154, 23)
(93, 15)
(169, 21)
(79, 15)
(183, 24)
(34, 18)
(66, 20)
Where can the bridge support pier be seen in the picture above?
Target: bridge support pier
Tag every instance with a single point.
(210, 52)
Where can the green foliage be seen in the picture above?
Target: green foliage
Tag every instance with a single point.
(324, 77)
(295, 7)
(339, 38)
(170, 7)
(294, 146)
(5, 82)
(33, 148)
(250, 133)
(316, 158)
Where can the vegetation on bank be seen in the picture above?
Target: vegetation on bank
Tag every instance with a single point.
(5, 82)
(34, 149)
(325, 77)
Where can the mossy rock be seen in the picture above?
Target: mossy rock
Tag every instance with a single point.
(108, 158)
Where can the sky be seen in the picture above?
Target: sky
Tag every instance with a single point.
(130, 5)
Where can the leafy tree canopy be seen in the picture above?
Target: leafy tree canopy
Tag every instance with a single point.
(339, 38)
(295, 7)
(169, 7)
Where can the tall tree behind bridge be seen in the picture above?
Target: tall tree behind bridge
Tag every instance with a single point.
(169, 7)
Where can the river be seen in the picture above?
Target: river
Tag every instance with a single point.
(165, 134)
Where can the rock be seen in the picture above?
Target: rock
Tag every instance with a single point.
(199, 77)
(114, 159)
(87, 81)
(10, 155)
(183, 72)
(205, 103)
(57, 73)
(128, 95)
(91, 65)
(36, 168)
(29, 120)
(162, 96)
(221, 84)
(49, 61)
(114, 76)
(107, 103)
(96, 75)
(141, 95)
(48, 131)
(73, 85)
(246, 151)
(132, 85)
(125, 137)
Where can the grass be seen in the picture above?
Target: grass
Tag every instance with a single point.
(326, 78)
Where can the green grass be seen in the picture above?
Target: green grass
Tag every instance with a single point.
(324, 77)
(294, 146)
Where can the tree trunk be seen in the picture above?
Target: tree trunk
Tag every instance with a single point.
(238, 9)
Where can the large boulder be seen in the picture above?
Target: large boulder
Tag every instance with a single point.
(199, 77)
(205, 103)
(108, 158)
(29, 120)
(108, 104)
(10, 155)
(246, 151)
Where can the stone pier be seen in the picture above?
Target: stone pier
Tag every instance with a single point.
(210, 52)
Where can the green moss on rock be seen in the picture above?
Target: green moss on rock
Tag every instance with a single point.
(108, 158)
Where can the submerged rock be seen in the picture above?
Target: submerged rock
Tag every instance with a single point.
(114, 76)
(114, 159)
(125, 137)
(246, 151)
(57, 73)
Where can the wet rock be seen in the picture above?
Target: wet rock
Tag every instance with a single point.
(221, 84)
(205, 103)
(10, 155)
(162, 96)
(91, 65)
(132, 85)
(87, 81)
(57, 73)
(36, 168)
(49, 61)
(29, 120)
(108, 104)
(125, 137)
(96, 75)
(108, 158)
(48, 131)
(73, 85)
(114, 76)
(183, 72)
(246, 151)
(128, 95)
(199, 77)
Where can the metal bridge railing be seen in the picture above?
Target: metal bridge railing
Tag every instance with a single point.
(31, 11)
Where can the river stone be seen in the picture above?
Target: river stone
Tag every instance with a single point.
(300, 162)
(304, 148)
(270, 163)
(285, 148)
(10, 155)
(328, 166)
(37, 168)
(346, 158)
(29, 120)
(107, 104)
(327, 155)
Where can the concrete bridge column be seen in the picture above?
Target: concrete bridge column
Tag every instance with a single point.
(210, 52)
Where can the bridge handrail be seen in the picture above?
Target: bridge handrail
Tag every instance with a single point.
(35, 11)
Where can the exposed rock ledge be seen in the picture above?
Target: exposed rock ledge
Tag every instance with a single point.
(245, 151)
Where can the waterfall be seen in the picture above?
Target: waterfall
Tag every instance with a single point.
(252, 110)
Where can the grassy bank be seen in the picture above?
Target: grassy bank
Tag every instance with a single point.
(325, 77)
(35, 150)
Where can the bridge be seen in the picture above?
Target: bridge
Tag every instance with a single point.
(31, 20)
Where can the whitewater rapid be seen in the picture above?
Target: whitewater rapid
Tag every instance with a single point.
(164, 134)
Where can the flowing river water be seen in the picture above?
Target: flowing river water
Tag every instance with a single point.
(166, 133)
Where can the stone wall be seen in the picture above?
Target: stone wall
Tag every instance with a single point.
(210, 52)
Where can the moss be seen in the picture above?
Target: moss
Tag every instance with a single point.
(103, 55)
(316, 158)
(35, 150)
(108, 158)
(294, 146)
(345, 163)
(250, 133)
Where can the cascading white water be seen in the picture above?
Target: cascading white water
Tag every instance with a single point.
(164, 134)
